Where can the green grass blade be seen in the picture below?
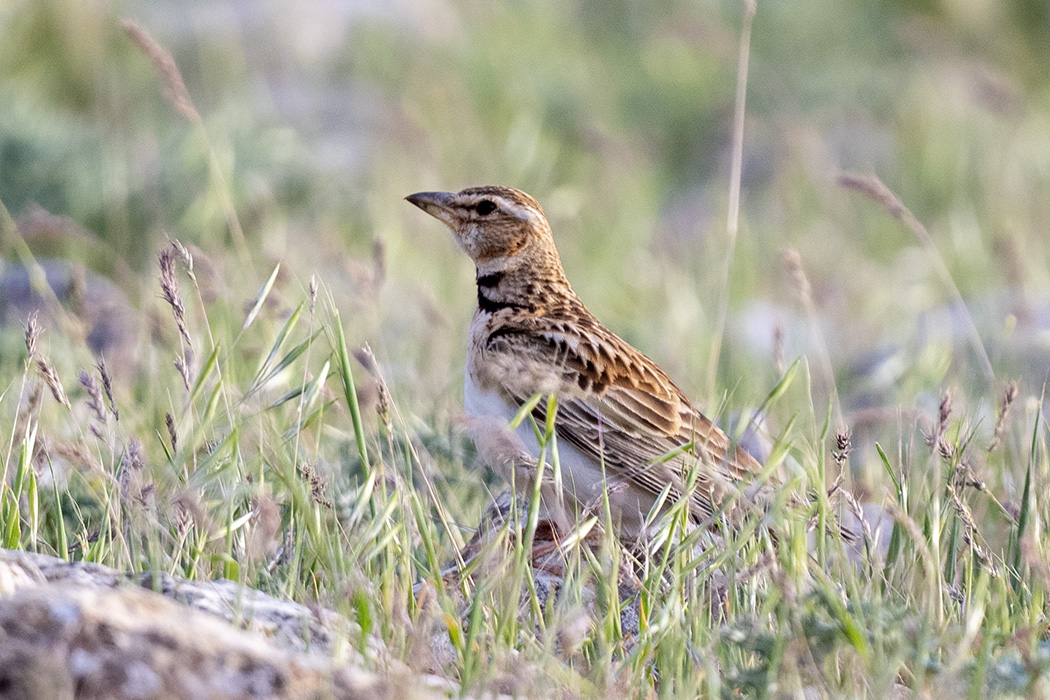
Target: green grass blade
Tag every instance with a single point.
(350, 392)
(260, 298)
(206, 370)
(278, 343)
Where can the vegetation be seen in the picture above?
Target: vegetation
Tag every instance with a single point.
(286, 413)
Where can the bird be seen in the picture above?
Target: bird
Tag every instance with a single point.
(624, 430)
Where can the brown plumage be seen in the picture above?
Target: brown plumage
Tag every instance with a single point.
(618, 413)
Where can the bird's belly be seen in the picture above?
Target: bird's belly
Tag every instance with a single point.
(583, 479)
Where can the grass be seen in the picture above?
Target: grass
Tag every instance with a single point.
(291, 423)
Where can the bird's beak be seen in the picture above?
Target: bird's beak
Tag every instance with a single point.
(437, 204)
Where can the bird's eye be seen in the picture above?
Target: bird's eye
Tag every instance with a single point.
(485, 207)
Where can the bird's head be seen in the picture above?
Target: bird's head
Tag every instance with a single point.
(498, 227)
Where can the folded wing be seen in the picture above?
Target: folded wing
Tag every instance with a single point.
(617, 406)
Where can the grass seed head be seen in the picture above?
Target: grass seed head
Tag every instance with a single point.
(50, 375)
(107, 386)
(843, 445)
(94, 392)
(1009, 396)
(169, 287)
(32, 334)
(172, 84)
(945, 411)
(183, 370)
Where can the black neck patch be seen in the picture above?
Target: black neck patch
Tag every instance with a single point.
(491, 306)
(490, 280)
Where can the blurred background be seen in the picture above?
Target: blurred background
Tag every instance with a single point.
(318, 116)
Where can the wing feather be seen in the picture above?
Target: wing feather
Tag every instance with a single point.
(618, 407)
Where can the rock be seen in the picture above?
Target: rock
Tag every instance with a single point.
(68, 281)
(66, 626)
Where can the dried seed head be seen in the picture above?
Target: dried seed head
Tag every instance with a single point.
(183, 519)
(313, 292)
(1009, 396)
(184, 254)
(184, 372)
(94, 392)
(171, 81)
(133, 458)
(966, 477)
(858, 513)
(939, 443)
(318, 484)
(130, 478)
(843, 446)
(47, 371)
(170, 422)
(945, 449)
(32, 334)
(368, 360)
(107, 386)
(945, 411)
(145, 496)
(169, 287)
(873, 188)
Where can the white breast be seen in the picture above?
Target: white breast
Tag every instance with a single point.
(582, 478)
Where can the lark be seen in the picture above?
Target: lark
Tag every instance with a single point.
(624, 430)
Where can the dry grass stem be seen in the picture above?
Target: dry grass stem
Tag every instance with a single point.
(971, 535)
(172, 84)
(367, 358)
(873, 188)
(175, 92)
(793, 262)
(735, 170)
